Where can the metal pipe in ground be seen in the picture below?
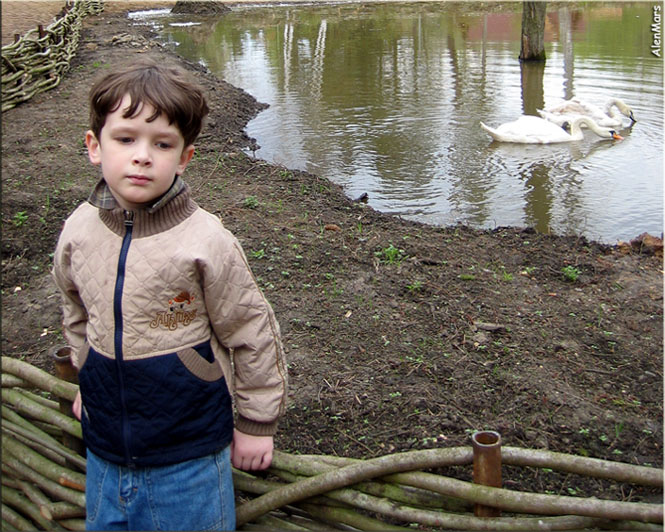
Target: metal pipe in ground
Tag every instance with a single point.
(486, 466)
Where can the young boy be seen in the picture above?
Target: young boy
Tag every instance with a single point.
(158, 297)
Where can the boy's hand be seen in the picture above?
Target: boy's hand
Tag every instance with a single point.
(76, 406)
(251, 452)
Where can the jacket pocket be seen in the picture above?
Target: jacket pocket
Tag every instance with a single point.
(201, 362)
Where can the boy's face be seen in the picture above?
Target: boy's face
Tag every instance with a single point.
(139, 159)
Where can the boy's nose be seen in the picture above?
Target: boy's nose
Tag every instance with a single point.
(142, 155)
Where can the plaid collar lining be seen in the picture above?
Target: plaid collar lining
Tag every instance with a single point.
(102, 197)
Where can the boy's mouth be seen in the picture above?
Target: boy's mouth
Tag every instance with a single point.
(138, 179)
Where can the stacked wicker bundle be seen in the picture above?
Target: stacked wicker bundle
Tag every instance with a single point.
(399, 494)
(37, 61)
(43, 480)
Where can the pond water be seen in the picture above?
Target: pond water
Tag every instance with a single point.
(386, 99)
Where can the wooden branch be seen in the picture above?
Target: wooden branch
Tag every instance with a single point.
(46, 453)
(11, 381)
(25, 506)
(580, 465)
(309, 465)
(48, 443)
(496, 497)
(37, 462)
(33, 493)
(10, 415)
(454, 521)
(44, 401)
(338, 478)
(33, 409)
(55, 490)
(65, 510)
(38, 377)
(15, 520)
(73, 524)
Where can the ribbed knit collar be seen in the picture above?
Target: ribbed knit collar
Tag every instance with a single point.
(103, 198)
(169, 210)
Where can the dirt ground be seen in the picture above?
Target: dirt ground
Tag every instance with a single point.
(398, 335)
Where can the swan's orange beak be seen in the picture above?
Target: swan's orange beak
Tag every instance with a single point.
(616, 136)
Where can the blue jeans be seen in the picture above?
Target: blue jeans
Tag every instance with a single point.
(192, 495)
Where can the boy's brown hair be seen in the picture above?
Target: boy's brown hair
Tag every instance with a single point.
(167, 88)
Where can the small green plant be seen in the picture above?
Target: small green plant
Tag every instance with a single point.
(20, 218)
(259, 253)
(415, 286)
(391, 255)
(418, 359)
(570, 273)
(251, 202)
(467, 277)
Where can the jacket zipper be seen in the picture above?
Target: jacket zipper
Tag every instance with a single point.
(118, 331)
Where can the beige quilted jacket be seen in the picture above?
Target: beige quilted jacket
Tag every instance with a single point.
(179, 285)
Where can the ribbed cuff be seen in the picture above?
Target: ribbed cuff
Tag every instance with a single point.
(255, 428)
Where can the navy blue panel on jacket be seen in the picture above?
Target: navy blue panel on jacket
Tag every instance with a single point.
(153, 411)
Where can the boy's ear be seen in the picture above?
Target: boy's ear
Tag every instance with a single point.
(185, 157)
(91, 142)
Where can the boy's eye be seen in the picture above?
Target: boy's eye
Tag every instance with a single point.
(124, 140)
(163, 145)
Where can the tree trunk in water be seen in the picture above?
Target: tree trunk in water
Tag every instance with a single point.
(533, 31)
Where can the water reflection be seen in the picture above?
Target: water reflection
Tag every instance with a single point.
(552, 178)
(386, 99)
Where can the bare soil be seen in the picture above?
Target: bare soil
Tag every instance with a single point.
(399, 335)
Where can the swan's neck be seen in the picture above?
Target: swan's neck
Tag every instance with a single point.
(611, 104)
(576, 126)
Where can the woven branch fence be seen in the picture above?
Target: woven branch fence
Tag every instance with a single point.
(44, 480)
(37, 61)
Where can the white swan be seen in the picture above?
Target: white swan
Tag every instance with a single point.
(529, 129)
(607, 117)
